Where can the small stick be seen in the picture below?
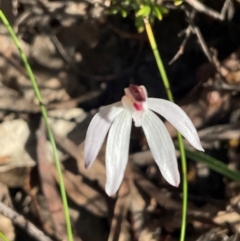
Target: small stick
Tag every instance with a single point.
(197, 5)
(182, 46)
(19, 220)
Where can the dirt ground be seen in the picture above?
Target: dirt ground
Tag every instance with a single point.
(83, 57)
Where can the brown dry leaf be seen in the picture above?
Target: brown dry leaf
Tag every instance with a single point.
(64, 121)
(120, 212)
(18, 105)
(137, 207)
(49, 186)
(13, 139)
(15, 161)
(153, 191)
(145, 228)
(229, 217)
(83, 194)
(97, 172)
(16, 177)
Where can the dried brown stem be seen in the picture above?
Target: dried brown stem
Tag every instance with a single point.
(20, 221)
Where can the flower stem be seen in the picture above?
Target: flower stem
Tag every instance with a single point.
(3, 237)
(163, 74)
(45, 118)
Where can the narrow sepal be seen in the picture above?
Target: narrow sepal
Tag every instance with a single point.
(178, 118)
(161, 146)
(117, 151)
(97, 131)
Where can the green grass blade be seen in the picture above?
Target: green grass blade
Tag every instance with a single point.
(45, 118)
(3, 237)
(214, 164)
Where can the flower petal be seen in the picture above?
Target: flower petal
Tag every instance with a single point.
(117, 151)
(161, 146)
(97, 131)
(178, 118)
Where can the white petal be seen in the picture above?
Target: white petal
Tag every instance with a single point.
(161, 146)
(178, 118)
(97, 131)
(117, 151)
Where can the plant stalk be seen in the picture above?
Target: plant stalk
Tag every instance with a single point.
(167, 87)
(45, 118)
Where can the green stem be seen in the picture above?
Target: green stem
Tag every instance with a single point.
(3, 237)
(163, 74)
(45, 118)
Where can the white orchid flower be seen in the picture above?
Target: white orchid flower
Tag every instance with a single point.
(116, 120)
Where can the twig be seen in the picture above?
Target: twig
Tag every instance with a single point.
(220, 132)
(202, 43)
(191, 15)
(192, 29)
(224, 86)
(20, 221)
(23, 106)
(209, 53)
(182, 46)
(120, 211)
(197, 5)
(60, 49)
